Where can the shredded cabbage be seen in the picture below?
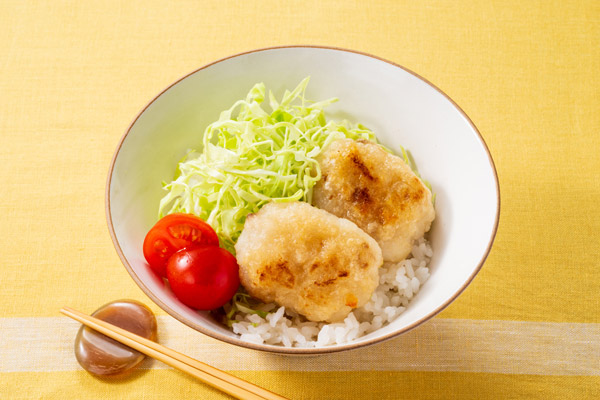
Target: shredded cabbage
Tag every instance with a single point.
(251, 156)
(410, 161)
(242, 302)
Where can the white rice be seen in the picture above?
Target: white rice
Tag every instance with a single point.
(398, 284)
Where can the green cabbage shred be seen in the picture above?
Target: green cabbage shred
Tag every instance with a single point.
(242, 302)
(410, 161)
(251, 156)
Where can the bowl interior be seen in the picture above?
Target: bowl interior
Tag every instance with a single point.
(401, 108)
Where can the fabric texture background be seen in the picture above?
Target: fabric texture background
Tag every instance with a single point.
(73, 75)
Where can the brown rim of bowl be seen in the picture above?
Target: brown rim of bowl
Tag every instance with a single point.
(296, 350)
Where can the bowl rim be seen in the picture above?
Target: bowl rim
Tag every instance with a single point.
(283, 349)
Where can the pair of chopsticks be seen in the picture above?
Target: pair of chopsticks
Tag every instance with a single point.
(214, 377)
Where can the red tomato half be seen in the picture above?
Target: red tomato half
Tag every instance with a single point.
(175, 232)
(203, 278)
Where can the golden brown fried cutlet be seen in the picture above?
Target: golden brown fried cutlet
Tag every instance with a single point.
(376, 190)
(307, 260)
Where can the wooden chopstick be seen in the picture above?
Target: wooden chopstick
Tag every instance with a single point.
(212, 376)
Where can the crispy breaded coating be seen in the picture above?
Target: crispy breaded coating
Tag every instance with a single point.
(307, 260)
(376, 190)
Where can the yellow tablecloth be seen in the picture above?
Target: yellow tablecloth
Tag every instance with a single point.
(74, 74)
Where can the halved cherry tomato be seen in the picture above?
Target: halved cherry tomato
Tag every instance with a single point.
(203, 278)
(175, 232)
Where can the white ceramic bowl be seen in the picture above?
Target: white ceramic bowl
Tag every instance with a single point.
(401, 107)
